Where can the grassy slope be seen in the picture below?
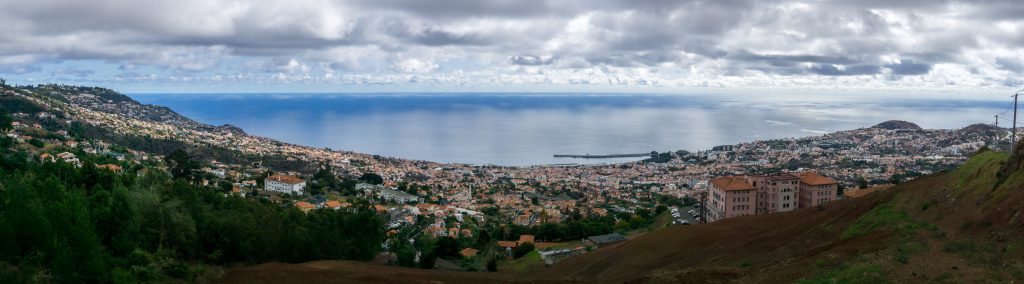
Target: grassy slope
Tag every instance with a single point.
(962, 226)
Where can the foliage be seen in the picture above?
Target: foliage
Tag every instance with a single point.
(181, 165)
(371, 178)
(82, 225)
(425, 245)
(5, 121)
(492, 265)
(447, 247)
(19, 104)
(859, 273)
(881, 217)
(522, 250)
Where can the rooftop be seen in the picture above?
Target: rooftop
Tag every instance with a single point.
(286, 179)
(731, 183)
(607, 239)
(813, 178)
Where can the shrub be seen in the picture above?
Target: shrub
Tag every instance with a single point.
(522, 250)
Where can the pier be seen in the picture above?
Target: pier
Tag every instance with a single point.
(608, 156)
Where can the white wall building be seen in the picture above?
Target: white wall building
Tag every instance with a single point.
(285, 184)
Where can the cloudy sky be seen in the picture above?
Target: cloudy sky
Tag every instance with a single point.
(516, 45)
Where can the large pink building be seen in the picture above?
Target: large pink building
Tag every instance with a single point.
(775, 192)
(732, 196)
(816, 189)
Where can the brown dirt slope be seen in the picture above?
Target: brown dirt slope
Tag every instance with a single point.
(959, 227)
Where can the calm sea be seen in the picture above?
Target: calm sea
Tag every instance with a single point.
(527, 129)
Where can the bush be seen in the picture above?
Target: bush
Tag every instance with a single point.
(522, 250)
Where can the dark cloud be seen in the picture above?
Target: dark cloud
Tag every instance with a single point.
(789, 60)
(1010, 64)
(462, 8)
(19, 69)
(832, 70)
(909, 67)
(434, 37)
(530, 60)
(77, 72)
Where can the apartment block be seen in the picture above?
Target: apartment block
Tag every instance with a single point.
(733, 196)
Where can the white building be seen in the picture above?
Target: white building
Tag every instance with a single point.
(285, 184)
(70, 158)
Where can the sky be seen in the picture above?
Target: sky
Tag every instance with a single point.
(931, 46)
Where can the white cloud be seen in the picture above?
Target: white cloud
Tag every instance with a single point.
(744, 43)
(414, 65)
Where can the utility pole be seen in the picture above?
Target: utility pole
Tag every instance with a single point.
(1013, 135)
(995, 139)
(703, 207)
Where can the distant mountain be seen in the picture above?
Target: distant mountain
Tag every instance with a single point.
(897, 125)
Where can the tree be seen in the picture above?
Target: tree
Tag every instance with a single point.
(447, 247)
(492, 265)
(181, 165)
(522, 249)
(371, 178)
(862, 183)
(895, 179)
(5, 121)
(660, 209)
(425, 245)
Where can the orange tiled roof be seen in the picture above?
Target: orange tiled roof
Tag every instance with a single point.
(731, 183)
(525, 239)
(286, 179)
(111, 167)
(507, 244)
(304, 205)
(813, 178)
(333, 204)
(468, 252)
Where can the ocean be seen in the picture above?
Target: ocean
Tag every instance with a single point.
(521, 129)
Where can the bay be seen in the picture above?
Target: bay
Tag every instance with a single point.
(520, 129)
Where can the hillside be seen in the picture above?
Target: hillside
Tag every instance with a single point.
(112, 102)
(897, 124)
(955, 227)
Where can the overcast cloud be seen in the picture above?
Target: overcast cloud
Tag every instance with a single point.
(874, 44)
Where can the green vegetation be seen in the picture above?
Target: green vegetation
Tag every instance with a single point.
(575, 228)
(522, 250)
(979, 173)
(523, 263)
(857, 273)
(18, 104)
(883, 216)
(5, 120)
(60, 223)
